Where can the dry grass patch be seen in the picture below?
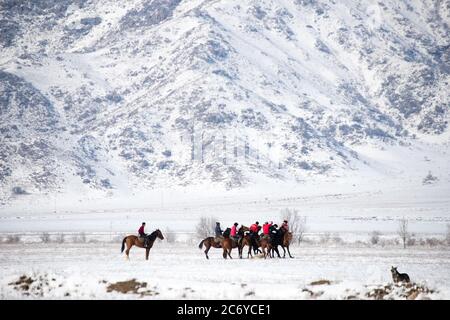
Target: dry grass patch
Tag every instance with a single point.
(320, 282)
(131, 286)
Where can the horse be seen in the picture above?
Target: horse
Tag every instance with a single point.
(285, 242)
(276, 240)
(263, 242)
(245, 241)
(209, 242)
(241, 234)
(228, 244)
(133, 240)
(287, 239)
(225, 244)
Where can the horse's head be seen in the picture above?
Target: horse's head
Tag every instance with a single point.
(242, 229)
(288, 236)
(159, 234)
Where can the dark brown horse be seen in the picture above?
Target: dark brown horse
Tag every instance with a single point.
(135, 241)
(226, 244)
(282, 238)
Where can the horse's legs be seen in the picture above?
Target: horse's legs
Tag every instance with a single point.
(224, 253)
(276, 250)
(147, 251)
(284, 251)
(249, 254)
(127, 252)
(229, 253)
(208, 246)
(289, 252)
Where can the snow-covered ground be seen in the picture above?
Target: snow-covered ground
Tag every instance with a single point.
(344, 212)
(338, 206)
(180, 271)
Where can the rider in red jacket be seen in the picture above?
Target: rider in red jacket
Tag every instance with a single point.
(266, 227)
(254, 228)
(143, 234)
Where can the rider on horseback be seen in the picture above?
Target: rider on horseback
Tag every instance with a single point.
(285, 226)
(254, 229)
(143, 234)
(233, 233)
(273, 232)
(218, 232)
(266, 228)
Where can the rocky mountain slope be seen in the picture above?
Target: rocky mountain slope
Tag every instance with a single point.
(107, 95)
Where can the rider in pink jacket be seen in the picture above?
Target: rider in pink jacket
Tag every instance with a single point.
(234, 230)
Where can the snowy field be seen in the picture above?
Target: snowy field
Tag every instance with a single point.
(180, 271)
(336, 252)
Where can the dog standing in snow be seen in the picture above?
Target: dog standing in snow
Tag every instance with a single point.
(399, 277)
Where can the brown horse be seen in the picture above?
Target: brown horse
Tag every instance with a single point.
(209, 242)
(282, 238)
(287, 239)
(226, 244)
(245, 241)
(262, 243)
(135, 241)
(265, 244)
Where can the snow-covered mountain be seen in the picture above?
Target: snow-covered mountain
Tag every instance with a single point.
(113, 95)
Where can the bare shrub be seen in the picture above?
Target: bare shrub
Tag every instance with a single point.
(205, 227)
(375, 237)
(12, 238)
(170, 236)
(45, 237)
(297, 224)
(60, 238)
(447, 235)
(411, 242)
(403, 231)
(325, 237)
(429, 179)
(337, 239)
(432, 242)
(79, 238)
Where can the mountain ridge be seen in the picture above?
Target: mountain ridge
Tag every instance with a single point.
(169, 92)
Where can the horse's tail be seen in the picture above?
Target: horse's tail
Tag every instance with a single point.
(123, 244)
(201, 244)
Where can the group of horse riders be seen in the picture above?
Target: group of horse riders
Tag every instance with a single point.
(269, 231)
